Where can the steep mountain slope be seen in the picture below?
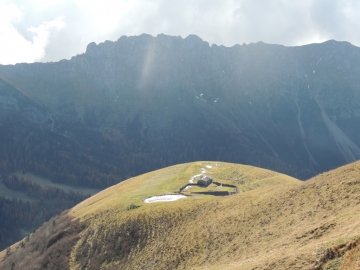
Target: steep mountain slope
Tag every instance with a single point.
(168, 100)
(29, 144)
(274, 222)
(32, 140)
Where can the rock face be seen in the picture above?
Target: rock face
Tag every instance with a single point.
(165, 100)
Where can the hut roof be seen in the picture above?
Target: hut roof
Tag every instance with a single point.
(205, 181)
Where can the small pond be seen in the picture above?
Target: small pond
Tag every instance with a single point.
(164, 198)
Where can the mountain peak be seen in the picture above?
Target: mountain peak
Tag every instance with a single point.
(90, 48)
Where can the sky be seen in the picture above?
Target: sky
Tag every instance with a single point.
(51, 30)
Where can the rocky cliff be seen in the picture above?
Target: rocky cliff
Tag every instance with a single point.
(162, 100)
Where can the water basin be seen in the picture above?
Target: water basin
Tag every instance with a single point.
(164, 198)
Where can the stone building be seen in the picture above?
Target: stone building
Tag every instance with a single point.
(204, 181)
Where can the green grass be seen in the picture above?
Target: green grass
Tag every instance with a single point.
(211, 187)
(338, 241)
(171, 179)
(334, 264)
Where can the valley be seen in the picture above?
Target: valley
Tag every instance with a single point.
(27, 201)
(45, 183)
(9, 194)
(128, 121)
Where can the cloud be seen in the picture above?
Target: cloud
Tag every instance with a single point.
(106, 15)
(336, 18)
(42, 30)
(14, 48)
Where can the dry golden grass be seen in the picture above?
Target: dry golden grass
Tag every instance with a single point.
(191, 215)
(169, 180)
(274, 222)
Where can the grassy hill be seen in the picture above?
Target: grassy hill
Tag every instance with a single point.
(274, 222)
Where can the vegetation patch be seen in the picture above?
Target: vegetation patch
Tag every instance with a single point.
(132, 207)
(334, 264)
(333, 257)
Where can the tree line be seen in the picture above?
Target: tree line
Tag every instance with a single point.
(17, 215)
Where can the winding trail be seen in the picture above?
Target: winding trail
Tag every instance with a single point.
(193, 177)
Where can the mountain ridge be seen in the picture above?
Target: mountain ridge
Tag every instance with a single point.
(254, 93)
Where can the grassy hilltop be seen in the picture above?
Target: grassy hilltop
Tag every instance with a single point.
(274, 222)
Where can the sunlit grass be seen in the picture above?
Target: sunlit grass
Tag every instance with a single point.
(275, 221)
